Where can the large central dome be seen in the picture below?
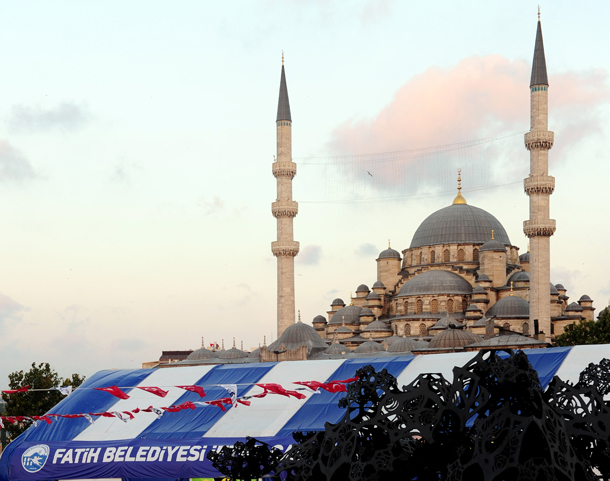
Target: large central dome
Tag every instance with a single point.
(457, 224)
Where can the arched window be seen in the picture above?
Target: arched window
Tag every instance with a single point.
(406, 307)
(506, 326)
(464, 304)
(461, 255)
(423, 331)
(475, 255)
(419, 306)
(407, 329)
(526, 329)
(421, 258)
(432, 257)
(450, 306)
(446, 255)
(434, 306)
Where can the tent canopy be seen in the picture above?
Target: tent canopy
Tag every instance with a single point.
(174, 446)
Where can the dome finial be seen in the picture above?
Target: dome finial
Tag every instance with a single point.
(459, 199)
(492, 234)
(202, 343)
(511, 288)
(389, 246)
(242, 345)
(528, 247)
(299, 315)
(283, 51)
(351, 299)
(223, 344)
(264, 340)
(233, 343)
(538, 12)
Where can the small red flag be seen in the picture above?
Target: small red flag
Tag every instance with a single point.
(114, 390)
(21, 389)
(154, 390)
(327, 386)
(351, 379)
(198, 389)
(277, 389)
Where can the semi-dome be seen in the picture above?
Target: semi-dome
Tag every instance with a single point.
(368, 347)
(378, 285)
(363, 288)
(200, 354)
(403, 345)
(575, 307)
(347, 314)
(233, 353)
(366, 312)
(344, 330)
(456, 224)
(373, 295)
(511, 306)
(483, 278)
(255, 354)
(525, 257)
(378, 326)
(452, 338)
(435, 282)
(389, 253)
(297, 335)
(444, 323)
(493, 245)
(337, 302)
(336, 349)
(521, 276)
(319, 320)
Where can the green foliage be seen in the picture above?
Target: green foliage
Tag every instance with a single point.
(34, 403)
(587, 332)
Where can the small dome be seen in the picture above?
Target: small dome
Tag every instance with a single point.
(378, 285)
(435, 282)
(585, 298)
(349, 314)
(479, 290)
(255, 354)
(473, 308)
(511, 306)
(525, 257)
(560, 286)
(373, 295)
(481, 322)
(378, 326)
(574, 307)
(452, 338)
(338, 302)
(319, 320)
(368, 347)
(337, 349)
(297, 335)
(389, 253)
(403, 345)
(444, 323)
(344, 330)
(483, 278)
(520, 276)
(233, 353)
(200, 354)
(554, 290)
(363, 288)
(366, 312)
(421, 344)
(493, 246)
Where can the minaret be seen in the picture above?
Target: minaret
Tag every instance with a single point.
(284, 209)
(539, 186)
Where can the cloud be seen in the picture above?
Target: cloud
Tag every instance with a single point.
(366, 250)
(66, 116)
(310, 255)
(10, 310)
(122, 172)
(480, 97)
(375, 10)
(14, 166)
(212, 207)
(130, 345)
(568, 278)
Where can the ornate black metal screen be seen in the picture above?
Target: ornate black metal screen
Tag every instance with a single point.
(493, 422)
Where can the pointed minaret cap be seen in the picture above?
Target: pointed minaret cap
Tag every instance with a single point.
(459, 199)
(283, 106)
(539, 76)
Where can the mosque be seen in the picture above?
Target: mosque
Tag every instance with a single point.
(461, 285)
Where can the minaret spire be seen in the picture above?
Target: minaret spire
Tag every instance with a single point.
(284, 209)
(539, 186)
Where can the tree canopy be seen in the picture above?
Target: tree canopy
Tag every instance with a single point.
(36, 403)
(587, 332)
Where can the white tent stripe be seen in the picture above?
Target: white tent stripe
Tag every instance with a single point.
(437, 363)
(579, 358)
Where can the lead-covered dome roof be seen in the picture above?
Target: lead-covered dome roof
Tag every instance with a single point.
(511, 306)
(389, 253)
(435, 282)
(347, 314)
(459, 223)
(298, 335)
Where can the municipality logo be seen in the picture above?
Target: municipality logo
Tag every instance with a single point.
(34, 458)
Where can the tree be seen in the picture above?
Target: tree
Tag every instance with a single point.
(587, 332)
(34, 403)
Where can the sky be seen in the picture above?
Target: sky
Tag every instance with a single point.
(136, 143)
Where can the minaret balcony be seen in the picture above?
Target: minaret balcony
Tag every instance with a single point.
(539, 140)
(539, 228)
(539, 184)
(285, 248)
(284, 169)
(284, 208)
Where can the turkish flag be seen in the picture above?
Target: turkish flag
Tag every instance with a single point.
(154, 390)
(277, 389)
(21, 389)
(114, 390)
(327, 386)
(198, 389)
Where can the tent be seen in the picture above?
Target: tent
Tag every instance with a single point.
(173, 446)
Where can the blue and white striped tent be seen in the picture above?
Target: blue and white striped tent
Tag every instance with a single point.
(174, 446)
